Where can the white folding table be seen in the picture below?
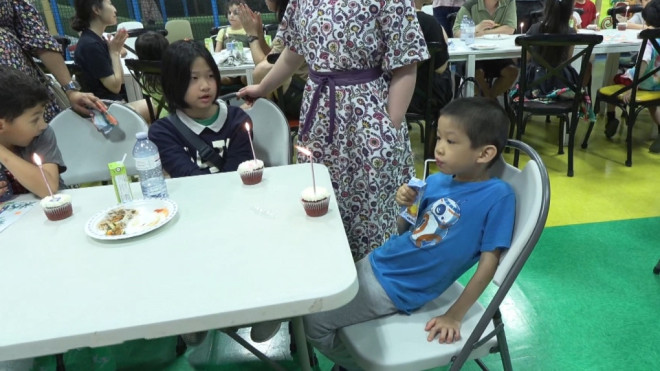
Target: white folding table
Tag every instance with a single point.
(233, 255)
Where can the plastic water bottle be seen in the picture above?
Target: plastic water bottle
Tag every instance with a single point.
(469, 32)
(150, 172)
(464, 24)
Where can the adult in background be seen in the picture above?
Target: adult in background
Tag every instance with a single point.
(22, 31)
(362, 69)
(99, 57)
(264, 57)
(443, 8)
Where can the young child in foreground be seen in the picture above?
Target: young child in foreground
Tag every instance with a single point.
(465, 217)
(23, 132)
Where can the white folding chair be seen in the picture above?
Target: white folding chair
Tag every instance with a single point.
(271, 130)
(178, 29)
(87, 152)
(398, 342)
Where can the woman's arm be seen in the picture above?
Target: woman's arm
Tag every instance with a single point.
(115, 46)
(286, 64)
(402, 87)
(55, 64)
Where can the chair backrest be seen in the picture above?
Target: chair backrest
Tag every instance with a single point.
(87, 152)
(532, 45)
(270, 130)
(130, 25)
(178, 29)
(648, 36)
(140, 70)
(625, 10)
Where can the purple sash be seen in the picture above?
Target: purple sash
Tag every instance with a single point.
(332, 79)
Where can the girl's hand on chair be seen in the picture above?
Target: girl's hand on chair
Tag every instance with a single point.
(625, 97)
(448, 330)
(405, 196)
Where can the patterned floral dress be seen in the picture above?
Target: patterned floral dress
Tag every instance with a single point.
(21, 28)
(367, 156)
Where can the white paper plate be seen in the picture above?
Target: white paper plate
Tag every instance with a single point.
(483, 47)
(498, 36)
(131, 219)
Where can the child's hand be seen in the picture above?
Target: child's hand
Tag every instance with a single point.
(447, 329)
(625, 97)
(405, 196)
(3, 187)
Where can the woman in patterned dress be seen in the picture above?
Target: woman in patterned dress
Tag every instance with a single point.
(22, 29)
(366, 52)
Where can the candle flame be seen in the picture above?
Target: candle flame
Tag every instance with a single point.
(304, 150)
(247, 126)
(36, 159)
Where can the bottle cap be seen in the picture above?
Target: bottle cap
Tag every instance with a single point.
(141, 135)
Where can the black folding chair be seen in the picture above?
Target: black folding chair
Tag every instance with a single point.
(639, 99)
(522, 109)
(141, 72)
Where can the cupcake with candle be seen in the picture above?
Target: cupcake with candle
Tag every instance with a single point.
(315, 201)
(57, 207)
(251, 171)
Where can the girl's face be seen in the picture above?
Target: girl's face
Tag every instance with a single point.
(202, 90)
(107, 14)
(232, 16)
(272, 5)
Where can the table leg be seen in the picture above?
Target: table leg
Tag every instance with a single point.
(469, 72)
(59, 359)
(301, 343)
(248, 77)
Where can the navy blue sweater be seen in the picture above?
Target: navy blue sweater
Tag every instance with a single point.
(227, 136)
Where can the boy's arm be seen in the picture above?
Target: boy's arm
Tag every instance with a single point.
(447, 327)
(28, 174)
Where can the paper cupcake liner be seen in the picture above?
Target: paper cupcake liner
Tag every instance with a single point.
(252, 177)
(59, 212)
(316, 208)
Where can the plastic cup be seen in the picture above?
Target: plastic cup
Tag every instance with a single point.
(621, 26)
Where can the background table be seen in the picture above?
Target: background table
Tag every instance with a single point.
(233, 255)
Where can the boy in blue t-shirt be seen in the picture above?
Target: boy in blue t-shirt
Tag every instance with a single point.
(465, 217)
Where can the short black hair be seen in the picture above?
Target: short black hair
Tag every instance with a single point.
(177, 61)
(651, 14)
(151, 46)
(26, 92)
(483, 120)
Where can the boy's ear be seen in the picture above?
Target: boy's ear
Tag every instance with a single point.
(488, 152)
(3, 125)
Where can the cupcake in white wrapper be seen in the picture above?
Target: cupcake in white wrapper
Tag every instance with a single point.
(57, 207)
(251, 171)
(315, 203)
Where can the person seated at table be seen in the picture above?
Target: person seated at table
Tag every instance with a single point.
(442, 86)
(589, 11)
(491, 17)
(23, 133)
(636, 22)
(192, 99)
(465, 217)
(233, 33)
(150, 46)
(650, 60)
(264, 57)
(99, 58)
(556, 20)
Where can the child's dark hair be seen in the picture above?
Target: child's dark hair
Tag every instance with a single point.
(651, 14)
(175, 78)
(483, 120)
(231, 3)
(26, 92)
(556, 16)
(280, 9)
(84, 13)
(151, 46)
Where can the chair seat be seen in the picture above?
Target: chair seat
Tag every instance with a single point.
(398, 342)
(551, 108)
(643, 96)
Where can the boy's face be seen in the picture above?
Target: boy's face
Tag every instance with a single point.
(232, 17)
(21, 130)
(454, 153)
